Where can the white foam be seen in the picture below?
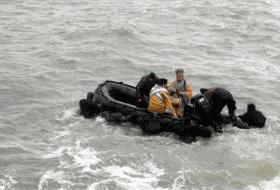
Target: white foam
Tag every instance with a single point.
(84, 157)
(7, 182)
(68, 114)
(273, 184)
(58, 177)
(56, 153)
(99, 119)
(3, 183)
(181, 179)
(104, 184)
(153, 169)
(126, 177)
(61, 134)
(241, 141)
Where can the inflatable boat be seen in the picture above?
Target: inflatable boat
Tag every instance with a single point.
(112, 96)
(118, 101)
(117, 97)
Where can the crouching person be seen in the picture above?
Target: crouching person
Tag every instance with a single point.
(253, 117)
(218, 98)
(159, 100)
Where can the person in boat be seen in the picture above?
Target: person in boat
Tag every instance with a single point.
(182, 86)
(253, 117)
(159, 99)
(87, 107)
(218, 98)
(143, 89)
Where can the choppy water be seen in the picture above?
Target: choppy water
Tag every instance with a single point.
(53, 52)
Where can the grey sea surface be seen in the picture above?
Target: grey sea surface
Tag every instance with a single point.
(53, 52)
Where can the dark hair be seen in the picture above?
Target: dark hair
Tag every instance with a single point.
(152, 75)
(90, 95)
(161, 81)
(203, 90)
(251, 107)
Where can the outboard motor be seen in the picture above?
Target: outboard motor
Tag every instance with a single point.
(201, 107)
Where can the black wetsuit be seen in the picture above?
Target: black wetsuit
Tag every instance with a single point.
(143, 89)
(253, 118)
(218, 98)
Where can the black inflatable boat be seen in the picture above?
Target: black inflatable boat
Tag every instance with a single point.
(117, 97)
(119, 100)
(112, 96)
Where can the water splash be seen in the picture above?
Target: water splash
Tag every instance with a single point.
(6, 181)
(50, 178)
(126, 177)
(273, 184)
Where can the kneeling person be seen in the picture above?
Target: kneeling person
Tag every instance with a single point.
(159, 100)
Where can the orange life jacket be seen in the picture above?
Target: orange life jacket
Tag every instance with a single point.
(160, 101)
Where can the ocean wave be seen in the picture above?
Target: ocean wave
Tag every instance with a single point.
(6, 181)
(51, 178)
(126, 177)
(54, 52)
(273, 184)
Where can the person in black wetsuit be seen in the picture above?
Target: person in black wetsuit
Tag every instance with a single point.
(143, 89)
(218, 98)
(253, 117)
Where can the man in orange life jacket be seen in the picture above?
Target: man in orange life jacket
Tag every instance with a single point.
(182, 86)
(159, 100)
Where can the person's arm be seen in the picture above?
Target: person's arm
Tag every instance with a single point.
(231, 108)
(244, 117)
(189, 91)
(241, 116)
(175, 101)
(168, 104)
